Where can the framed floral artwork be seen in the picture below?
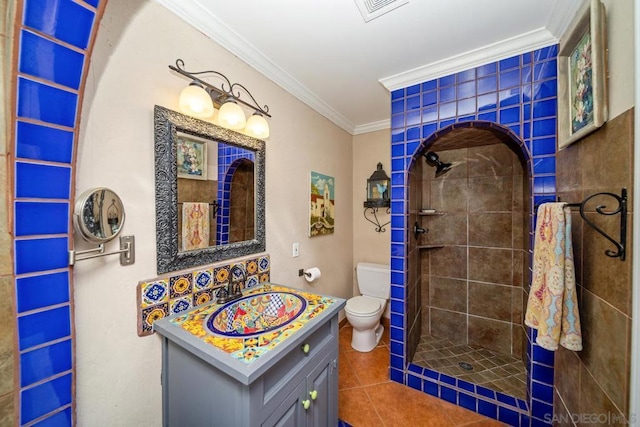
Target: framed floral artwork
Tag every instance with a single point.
(191, 158)
(582, 84)
(321, 205)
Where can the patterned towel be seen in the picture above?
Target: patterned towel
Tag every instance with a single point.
(553, 304)
(195, 226)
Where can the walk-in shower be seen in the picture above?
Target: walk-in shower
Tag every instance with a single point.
(471, 261)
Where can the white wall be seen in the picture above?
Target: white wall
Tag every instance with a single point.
(368, 245)
(118, 373)
(621, 58)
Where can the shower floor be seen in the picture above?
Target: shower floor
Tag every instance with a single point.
(490, 369)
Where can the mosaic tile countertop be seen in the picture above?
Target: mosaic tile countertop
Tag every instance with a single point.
(244, 343)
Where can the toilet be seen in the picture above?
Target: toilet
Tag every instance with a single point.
(364, 311)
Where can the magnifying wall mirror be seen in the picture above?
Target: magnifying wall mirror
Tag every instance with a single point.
(98, 215)
(209, 192)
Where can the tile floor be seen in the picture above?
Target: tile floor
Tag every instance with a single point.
(493, 370)
(368, 398)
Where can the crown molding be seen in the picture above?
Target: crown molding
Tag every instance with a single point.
(562, 16)
(210, 25)
(372, 127)
(492, 53)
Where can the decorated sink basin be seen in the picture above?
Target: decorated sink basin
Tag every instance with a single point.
(248, 328)
(255, 314)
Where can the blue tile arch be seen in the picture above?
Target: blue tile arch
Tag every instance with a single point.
(518, 96)
(53, 48)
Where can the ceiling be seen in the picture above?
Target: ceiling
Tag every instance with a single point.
(325, 54)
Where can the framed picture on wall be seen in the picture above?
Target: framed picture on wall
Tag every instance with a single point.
(321, 205)
(582, 83)
(192, 158)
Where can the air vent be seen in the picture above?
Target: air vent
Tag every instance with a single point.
(371, 9)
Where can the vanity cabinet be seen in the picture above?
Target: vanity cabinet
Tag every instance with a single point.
(293, 384)
(311, 403)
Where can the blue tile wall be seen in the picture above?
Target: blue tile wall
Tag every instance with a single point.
(64, 20)
(43, 327)
(34, 292)
(228, 157)
(517, 95)
(45, 103)
(41, 218)
(44, 362)
(45, 59)
(45, 398)
(37, 142)
(52, 53)
(42, 181)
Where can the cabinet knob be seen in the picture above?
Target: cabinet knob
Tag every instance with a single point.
(306, 403)
(306, 348)
(313, 394)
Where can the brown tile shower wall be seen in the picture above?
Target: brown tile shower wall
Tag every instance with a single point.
(472, 286)
(596, 380)
(416, 285)
(241, 207)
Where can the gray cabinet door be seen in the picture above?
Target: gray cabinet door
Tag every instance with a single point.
(291, 412)
(324, 408)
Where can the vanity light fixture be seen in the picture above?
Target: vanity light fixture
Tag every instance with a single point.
(200, 98)
(378, 188)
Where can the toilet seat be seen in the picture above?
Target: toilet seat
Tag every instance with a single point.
(362, 305)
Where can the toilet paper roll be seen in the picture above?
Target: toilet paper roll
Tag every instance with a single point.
(311, 274)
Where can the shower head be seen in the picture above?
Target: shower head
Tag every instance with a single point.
(434, 161)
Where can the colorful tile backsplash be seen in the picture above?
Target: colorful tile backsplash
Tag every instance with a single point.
(165, 296)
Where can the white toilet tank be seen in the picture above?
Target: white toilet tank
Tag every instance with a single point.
(374, 280)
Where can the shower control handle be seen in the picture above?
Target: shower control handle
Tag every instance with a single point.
(417, 230)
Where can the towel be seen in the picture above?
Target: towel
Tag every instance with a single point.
(552, 308)
(195, 226)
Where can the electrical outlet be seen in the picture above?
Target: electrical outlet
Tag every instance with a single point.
(296, 250)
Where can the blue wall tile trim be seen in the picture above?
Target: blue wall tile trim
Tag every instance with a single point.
(35, 255)
(49, 104)
(47, 60)
(73, 22)
(34, 292)
(42, 181)
(42, 327)
(518, 93)
(52, 43)
(34, 218)
(44, 398)
(45, 362)
(59, 419)
(39, 142)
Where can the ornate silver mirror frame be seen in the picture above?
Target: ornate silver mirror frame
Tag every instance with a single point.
(167, 124)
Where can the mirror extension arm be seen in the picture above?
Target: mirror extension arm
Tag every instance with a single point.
(127, 252)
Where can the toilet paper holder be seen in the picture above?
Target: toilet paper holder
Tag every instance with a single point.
(301, 273)
(310, 274)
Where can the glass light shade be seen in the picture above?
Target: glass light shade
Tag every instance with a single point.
(195, 101)
(231, 116)
(257, 126)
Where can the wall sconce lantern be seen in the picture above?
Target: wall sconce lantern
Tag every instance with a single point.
(200, 99)
(378, 188)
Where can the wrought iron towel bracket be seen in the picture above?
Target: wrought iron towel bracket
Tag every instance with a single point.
(374, 211)
(621, 209)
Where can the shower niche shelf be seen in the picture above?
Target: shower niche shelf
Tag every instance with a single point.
(430, 246)
(430, 212)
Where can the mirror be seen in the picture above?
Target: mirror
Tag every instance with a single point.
(98, 215)
(210, 191)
